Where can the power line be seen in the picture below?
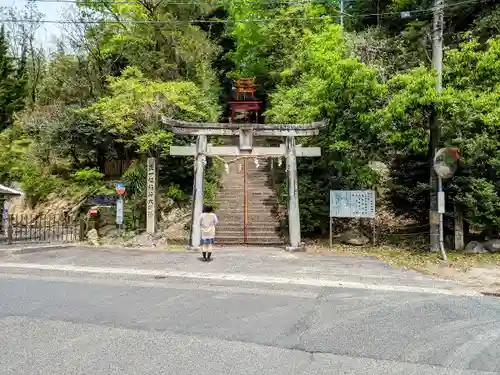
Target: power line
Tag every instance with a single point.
(222, 21)
(425, 10)
(263, 2)
(214, 3)
(210, 21)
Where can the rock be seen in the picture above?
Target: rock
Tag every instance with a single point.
(354, 238)
(176, 215)
(147, 240)
(176, 232)
(493, 246)
(93, 237)
(108, 230)
(475, 247)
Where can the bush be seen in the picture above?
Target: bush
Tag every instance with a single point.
(175, 193)
(88, 176)
(37, 184)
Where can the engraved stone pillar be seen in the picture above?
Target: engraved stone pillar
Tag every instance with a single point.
(151, 196)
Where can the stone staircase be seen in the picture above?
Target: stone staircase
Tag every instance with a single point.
(263, 224)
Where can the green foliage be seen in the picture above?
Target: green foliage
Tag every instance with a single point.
(66, 81)
(134, 179)
(323, 82)
(263, 49)
(37, 183)
(211, 183)
(12, 150)
(371, 79)
(175, 193)
(12, 83)
(133, 110)
(469, 114)
(88, 176)
(169, 49)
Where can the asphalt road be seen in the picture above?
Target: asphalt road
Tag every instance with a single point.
(78, 311)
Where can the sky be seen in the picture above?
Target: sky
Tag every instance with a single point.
(48, 32)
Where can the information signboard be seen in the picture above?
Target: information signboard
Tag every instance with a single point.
(352, 203)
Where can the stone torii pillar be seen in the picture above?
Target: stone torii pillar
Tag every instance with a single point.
(199, 173)
(246, 132)
(293, 195)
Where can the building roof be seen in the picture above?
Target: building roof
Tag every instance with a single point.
(4, 190)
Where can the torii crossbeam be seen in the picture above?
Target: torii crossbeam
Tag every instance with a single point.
(246, 132)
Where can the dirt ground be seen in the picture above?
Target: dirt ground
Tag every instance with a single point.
(481, 271)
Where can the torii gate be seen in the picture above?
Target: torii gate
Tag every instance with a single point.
(245, 149)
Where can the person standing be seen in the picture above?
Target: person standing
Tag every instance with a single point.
(208, 223)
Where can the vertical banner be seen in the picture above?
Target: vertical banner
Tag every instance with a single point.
(151, 201)
(119, 211)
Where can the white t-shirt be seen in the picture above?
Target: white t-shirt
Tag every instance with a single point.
(208, 221)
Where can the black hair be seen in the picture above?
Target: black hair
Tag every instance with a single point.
(208, 209)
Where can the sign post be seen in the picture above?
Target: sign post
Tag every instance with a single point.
(151, 200)
(445, 165)
(119, 214)
(352, 204)
(120, 190)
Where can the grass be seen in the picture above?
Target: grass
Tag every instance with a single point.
(409, 257)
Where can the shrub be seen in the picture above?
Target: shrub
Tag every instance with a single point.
(88, 176)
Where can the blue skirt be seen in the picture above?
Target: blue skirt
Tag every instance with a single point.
(207, 241)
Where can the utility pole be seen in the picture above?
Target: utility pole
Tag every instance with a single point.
(435, 127)
(342, 12)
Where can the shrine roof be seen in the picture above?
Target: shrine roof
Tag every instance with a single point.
(7, 191)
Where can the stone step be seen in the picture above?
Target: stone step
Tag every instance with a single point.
(256, 192)
(268, 203)
(268, 227)
(238, 198)
(257, 176)
(251, 234)
(255, 213)
(240, 178)
(250, 192)
(265, 205)
(240, 194)
(238, 224)
(252, 218)
(254, 199)
(239, 240)
(250, 187)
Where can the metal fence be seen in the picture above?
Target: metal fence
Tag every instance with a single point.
(41, 229)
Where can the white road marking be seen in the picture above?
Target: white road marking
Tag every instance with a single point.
(242, 278)
(160, 285)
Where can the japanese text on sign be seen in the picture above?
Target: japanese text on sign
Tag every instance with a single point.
(151, 188)
(352, 203)
(119, 211)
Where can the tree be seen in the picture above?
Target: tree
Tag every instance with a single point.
(132, 111)
(469, 110)
(24, 46)
(12, 84)
(323, 82)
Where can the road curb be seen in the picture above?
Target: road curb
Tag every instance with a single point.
(33, 249)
